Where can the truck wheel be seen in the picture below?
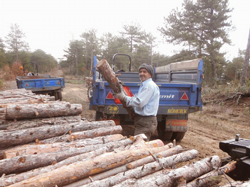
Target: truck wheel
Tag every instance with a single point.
(168, 135)
(178, 136)
(56, 96)
(98, 115)
(161, 131)
(90, 92)
(59, 96)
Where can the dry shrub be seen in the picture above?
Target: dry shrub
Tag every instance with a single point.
(16, 69)
(7, 74)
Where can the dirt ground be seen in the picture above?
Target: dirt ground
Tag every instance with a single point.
(205, 128)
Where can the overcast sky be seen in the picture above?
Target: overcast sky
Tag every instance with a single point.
(50, 24)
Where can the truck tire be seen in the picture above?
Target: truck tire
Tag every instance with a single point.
(90, 92)
(98, 115)
(55, 95)
(178, 136)
(161, 131)
(59, 96)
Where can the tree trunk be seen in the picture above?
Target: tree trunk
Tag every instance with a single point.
(9, 179)
(166, 152)
(109, 75)
(238, 184)
(246, 62)
(85, 134)
(10, 138)
(31, 123)
(28, 99)
(74, 172)
(27, 162)
(210, 178)
(146, 169)
(15, 93)
(57, 147)
(169, 152)
(167, 177)
(42, 110)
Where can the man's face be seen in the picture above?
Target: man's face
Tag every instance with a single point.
(144, 75)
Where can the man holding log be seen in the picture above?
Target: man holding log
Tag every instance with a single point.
(145, 103)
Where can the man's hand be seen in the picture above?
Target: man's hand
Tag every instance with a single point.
(119, 95)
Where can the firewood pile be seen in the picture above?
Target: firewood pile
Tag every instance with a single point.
(44, 142)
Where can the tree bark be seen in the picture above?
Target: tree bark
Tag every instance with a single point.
(238, 184)
(57, 147)
(140, 143)
(166, 152)
(31, 123)
(146, 169)
(42, 110)
(169, 152)
(209, 178)
(15, 93)
(114, 83)
(27, 162)
(11, 138)
(71, 173)
(28, 99)
(85, 134)
(8, 180)
(167, 177)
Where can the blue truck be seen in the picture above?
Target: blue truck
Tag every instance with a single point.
(180, 94)
(41, 84)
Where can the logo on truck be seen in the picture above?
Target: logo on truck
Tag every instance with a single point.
(113, 109)
(177, 111)
(167, 96)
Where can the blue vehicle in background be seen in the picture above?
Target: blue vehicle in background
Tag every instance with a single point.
(180, 94)
(41, 84)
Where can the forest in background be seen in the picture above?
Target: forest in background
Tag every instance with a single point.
(200, 28)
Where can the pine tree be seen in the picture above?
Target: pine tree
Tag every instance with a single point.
(15, 41)
(203, 26)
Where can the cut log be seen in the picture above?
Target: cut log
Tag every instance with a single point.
(167, 177)
(15, 93)
(28, 99)
(11, 138)
(238, 184)
(31, 123)
(85, 134)
(42, 110)
(24, 163)
(167, 152)
(140, 143)
(171, 151)
(57, 147)
(207, 181)
(145, 169)
(74, 172)
(8, 180)
(114, 83)
(209, 178)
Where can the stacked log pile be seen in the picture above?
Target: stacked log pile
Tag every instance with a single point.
(60, 149)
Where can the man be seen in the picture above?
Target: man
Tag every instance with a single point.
(145, 103)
